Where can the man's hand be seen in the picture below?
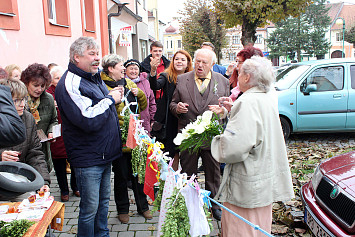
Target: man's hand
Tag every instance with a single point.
(154, 63)
(116, 95)
(10, 156)
(182, 108)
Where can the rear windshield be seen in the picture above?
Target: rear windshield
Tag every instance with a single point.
(287, 77)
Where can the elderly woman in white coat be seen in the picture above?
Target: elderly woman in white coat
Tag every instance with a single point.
(253, 147)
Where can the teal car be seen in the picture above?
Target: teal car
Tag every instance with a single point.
(317, 96)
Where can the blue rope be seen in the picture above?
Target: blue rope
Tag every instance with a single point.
(256, 227)
(207, 198)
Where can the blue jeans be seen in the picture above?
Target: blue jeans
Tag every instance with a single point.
(95, 187)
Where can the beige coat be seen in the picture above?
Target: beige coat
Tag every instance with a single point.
(257, 171)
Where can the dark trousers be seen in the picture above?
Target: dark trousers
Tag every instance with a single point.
(60, 167)
(189, 163)
(122, 169)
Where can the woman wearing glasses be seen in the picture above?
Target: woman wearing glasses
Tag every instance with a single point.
(29, 151)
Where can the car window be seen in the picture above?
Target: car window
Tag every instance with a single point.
(325, 79)
(287, 77)
(352, 73)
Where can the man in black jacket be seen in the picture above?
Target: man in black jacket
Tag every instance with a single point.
(155, 63)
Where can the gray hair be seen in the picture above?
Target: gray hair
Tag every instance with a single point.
(56, 69)
(207, 51)
(260, 71)
(80, 45)
(110, 60)
(17, 87)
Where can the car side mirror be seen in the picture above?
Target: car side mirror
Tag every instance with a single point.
(310, 88)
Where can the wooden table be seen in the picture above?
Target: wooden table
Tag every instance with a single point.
(54, 216)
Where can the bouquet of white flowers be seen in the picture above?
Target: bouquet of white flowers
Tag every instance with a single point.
(199, 134)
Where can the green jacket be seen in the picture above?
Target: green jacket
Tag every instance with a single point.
(48, 114)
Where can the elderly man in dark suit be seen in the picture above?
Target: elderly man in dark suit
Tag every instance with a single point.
(194, 91)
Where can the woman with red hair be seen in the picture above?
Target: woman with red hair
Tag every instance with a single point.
(40, 103)
(227, 102)
(181, 63)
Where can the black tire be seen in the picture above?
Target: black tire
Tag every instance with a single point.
(35, 178)
(286, 128)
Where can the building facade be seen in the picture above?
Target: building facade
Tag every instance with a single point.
(42, 31)
(172, 39)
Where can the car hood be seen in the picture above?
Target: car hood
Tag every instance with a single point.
(341, 169)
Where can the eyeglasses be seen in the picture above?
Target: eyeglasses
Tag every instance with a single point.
(19, 101)
(239, 62)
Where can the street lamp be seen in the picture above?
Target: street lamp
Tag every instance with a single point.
(340, 20)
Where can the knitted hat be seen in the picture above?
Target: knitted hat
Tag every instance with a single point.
(133, 62)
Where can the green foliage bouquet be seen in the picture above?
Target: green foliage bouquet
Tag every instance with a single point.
(199, 134)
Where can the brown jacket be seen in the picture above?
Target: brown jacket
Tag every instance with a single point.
(31, 148)
(186, 91)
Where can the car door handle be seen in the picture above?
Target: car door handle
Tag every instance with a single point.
(336, 96)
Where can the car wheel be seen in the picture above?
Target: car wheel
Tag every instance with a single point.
(286, 128)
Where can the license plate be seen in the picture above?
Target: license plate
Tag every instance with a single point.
(316, 229)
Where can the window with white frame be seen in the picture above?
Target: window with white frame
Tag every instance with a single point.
(259, 39)
(339, 36)
(236, 39)
(232, 56)
(51, 11)
(179, 44)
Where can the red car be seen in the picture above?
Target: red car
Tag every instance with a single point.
(329, 198)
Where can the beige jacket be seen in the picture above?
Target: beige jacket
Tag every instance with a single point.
(257, 171)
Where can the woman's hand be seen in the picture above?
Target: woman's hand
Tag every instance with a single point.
(10, 156)
(216, 109)
(226, 102)
(134, 91)
(230, 68)
(45, 188)
(50, 136)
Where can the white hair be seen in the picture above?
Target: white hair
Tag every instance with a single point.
(56, 69)
(209, 52)
(260, 71)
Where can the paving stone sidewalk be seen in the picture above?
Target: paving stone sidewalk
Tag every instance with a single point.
(137, 226)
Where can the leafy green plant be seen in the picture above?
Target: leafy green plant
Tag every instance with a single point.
(139, 160)
(158, 198)
(177, 219)
(16, 228)
(125, 126)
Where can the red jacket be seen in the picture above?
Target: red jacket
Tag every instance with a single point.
(57, 148)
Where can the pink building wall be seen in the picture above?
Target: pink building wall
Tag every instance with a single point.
(30, 44)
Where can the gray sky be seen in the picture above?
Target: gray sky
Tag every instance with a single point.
(169, 8)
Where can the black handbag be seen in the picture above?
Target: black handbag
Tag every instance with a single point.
(159, 129)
